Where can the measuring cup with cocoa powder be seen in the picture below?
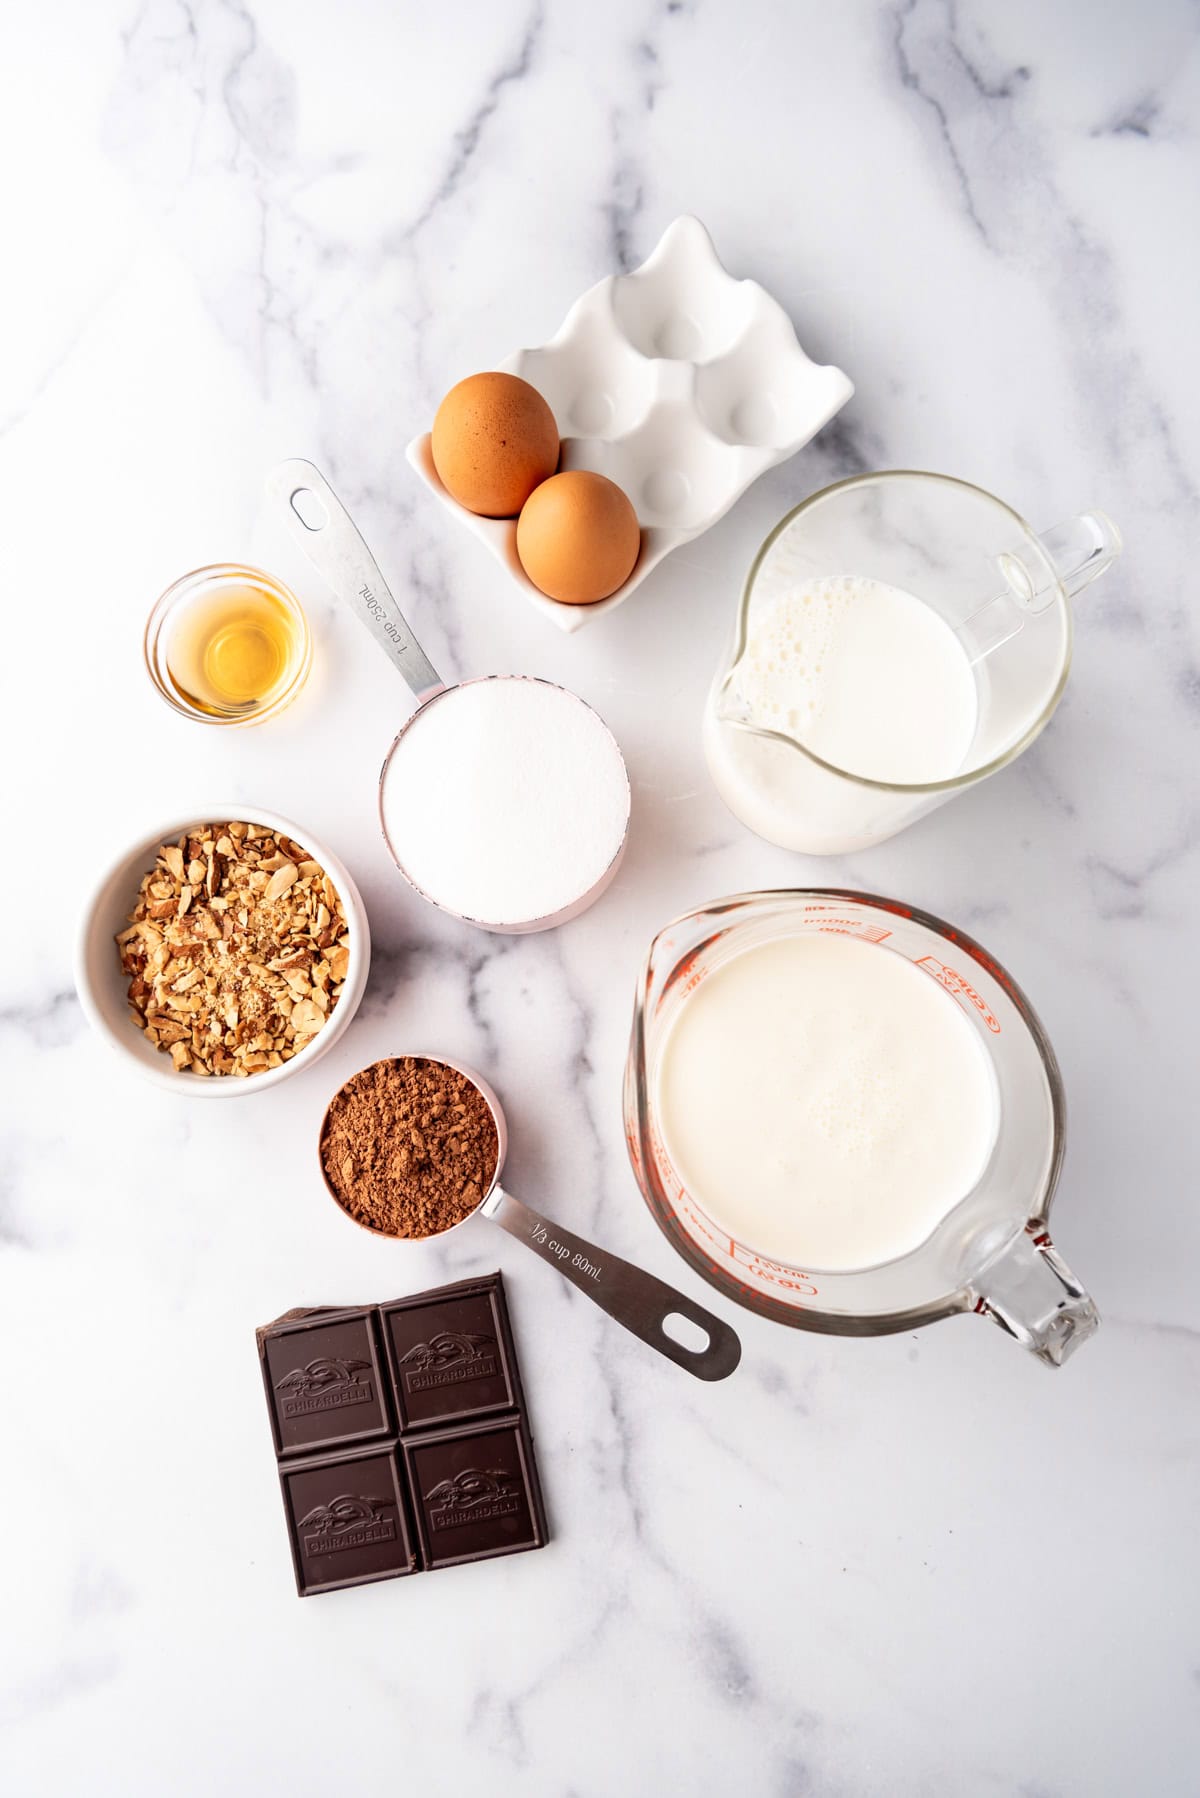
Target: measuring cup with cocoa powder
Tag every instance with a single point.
(504, 800)
(413, 1148)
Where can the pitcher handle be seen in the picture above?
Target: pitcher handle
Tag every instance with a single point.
(1074, 554)
(1028, 1289)
(1082, 548)
(1078, 550)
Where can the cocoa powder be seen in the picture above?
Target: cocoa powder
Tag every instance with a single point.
(409, 1147)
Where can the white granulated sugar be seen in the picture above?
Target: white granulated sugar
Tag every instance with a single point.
(506, 800)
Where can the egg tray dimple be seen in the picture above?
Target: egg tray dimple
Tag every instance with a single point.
(679, 383)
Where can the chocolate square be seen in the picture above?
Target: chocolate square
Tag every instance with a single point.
(450, 1353)
(346, 1520)
(475, 1493)
(325, 1381)
(438, 1370)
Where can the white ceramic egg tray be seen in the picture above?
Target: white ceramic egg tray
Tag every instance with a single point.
(680, 384)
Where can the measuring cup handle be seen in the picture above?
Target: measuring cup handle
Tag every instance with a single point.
(631, 1296)
(326, 533)
(1082, 548)
(1029, 1290)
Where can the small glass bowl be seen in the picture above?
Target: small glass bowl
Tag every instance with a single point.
(192, 590)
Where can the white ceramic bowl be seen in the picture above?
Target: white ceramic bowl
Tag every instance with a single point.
(103, 989)
(679, 383)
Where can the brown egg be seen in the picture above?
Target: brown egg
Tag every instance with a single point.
(578, 537)
(494, 439)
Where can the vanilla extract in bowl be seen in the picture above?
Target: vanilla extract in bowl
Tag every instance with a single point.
(228, 645)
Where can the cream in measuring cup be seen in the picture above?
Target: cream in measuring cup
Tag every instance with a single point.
(825, 1101)
(812, 1058)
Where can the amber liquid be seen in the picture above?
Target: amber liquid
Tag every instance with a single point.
(234, 649)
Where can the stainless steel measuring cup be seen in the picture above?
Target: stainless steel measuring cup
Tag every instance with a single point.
(633, 1297)
(319, 522)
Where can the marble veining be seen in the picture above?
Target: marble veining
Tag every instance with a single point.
(247, 229)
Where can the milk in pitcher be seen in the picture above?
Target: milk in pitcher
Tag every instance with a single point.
(860, 673)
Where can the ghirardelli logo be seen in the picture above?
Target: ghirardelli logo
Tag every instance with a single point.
(447, 1358)
(325, 1384)
(473, 1496)
(347, 1522)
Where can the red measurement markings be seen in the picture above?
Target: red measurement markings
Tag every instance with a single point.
(661, 1159)
(690, 970)
(790, 1278)
(833, 921)
(686, 1216)
(866, 933)
(954, 983)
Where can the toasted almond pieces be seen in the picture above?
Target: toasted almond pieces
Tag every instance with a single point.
(227, 950)
(280, 881)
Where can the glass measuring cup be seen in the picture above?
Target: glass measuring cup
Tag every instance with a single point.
(634, 1298)
(992, 1253)
(325, 531)
(1004, 591)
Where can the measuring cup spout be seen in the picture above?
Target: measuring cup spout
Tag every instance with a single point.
(731, 708)
(1028, 1289)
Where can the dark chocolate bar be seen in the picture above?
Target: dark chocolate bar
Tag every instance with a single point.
(401, 1435)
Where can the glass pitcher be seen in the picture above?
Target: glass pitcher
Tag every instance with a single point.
(1004, 592)
(991, 1254)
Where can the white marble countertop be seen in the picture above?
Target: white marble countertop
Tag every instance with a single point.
(919, 1565)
